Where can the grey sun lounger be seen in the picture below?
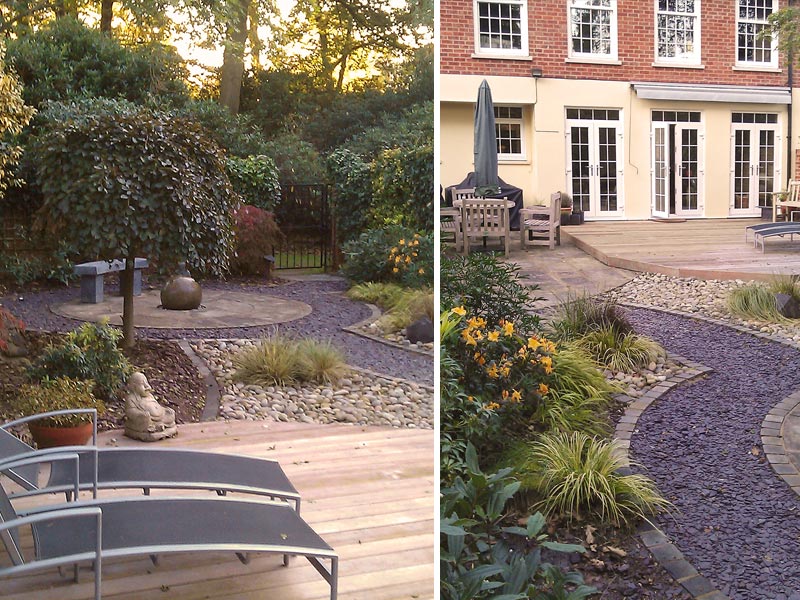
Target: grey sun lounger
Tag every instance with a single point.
(144, 468)
(763, 231)
(96, 530)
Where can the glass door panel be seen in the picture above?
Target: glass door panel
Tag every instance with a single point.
(607, 168)
(688, 176)
(661, 160)
(741, 169)
(581, 161)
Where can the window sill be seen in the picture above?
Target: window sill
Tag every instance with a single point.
(592, 60)
(509, 160)
(757, 68)
(502, 56)
(675, 65)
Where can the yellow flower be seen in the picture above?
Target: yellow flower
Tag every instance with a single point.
(492, 406)
(492, 372)
(395, 270)
(508, 328)
(533, 343)
(394, 250)
(523, 351)
(478, 334)
(408, 259)
(493, 336)
(504, 371)
(505, 394)
(543, 389)
(516, 396)
(414, 254)
(548, 364)
(421, 271)
(460, 311)
(470, 341)
(476, 322)
(401, 243)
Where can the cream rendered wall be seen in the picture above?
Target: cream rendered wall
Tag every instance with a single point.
(544, 170)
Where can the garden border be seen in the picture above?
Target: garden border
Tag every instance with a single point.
(376, 314)
(773, 443)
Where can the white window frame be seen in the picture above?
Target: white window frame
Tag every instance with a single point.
(693, 58)
(524, 51)
(513, 157)
(773, 62)
(613, 53)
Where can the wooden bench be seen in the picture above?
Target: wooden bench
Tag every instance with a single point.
(785, 204)
(92, 273)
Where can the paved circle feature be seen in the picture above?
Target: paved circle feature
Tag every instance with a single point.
(219, 309)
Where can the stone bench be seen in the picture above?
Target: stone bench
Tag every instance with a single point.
(91, 274)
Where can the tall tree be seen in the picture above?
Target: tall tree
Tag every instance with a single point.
(232, 71)
(329, 39)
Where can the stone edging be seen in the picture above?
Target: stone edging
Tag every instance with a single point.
(376, 313)
(665, 552)
(213, 394)
(773, 443)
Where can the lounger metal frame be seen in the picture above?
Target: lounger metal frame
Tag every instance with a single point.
(765, 230)
(26, 476)
(94, 509)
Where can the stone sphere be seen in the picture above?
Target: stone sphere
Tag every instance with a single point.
(181, 293)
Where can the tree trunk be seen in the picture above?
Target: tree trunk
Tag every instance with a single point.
(126, 285)
(232, 72)
(106, 15)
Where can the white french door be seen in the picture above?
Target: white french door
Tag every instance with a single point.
(595, 161)
(755, 162)
(677, 166)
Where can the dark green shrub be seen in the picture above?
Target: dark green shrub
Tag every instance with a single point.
(479, 557)
(255, 179)
(489, 288)
(402, 186)
(61, 393)
(88, 353)
(256, 235)
(297, 161)
(352, 182)
(392, 254)
(65, 59)
(235, 133)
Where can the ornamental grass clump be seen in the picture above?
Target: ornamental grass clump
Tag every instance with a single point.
(627, 352)
(579, 315)
(401, 306)
(754, 301)
(281, 361)
(576, 476)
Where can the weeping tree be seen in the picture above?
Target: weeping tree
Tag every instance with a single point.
(141, 184)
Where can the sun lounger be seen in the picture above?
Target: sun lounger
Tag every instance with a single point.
(754, 229)
(777, 229)
(96, 530)
(144, 468)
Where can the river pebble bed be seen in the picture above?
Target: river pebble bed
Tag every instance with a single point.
(360, 398)
(735, 520)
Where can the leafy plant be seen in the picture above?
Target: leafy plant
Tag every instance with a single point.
(256, 234)
(88, 353)
(14, 115)
(255, 179)
(385, 295)
(61, 393)
(395, 254)
(409, 307)
(577, 475)
(754, 301)
(478, 557)
(620, 352)
(488, 288)
(579, 315)
(280, 360)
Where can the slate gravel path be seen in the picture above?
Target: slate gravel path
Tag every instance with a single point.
(738, 524)
(331, 311)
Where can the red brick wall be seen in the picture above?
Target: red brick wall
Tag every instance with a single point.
(547, 37)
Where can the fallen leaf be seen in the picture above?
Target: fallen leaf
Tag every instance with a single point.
(589, 531)
(616, 551)
(755, 451)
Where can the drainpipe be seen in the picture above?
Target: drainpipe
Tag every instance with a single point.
(790, 77)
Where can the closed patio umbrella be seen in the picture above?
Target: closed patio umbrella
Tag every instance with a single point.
(485, 146)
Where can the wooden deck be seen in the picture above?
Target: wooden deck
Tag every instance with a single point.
(705, 248)
(368, 491)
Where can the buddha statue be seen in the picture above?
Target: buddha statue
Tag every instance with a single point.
(145, 418)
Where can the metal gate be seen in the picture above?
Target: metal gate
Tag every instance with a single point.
(305, 217)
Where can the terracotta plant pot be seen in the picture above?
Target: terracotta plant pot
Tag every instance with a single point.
(50, 437)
